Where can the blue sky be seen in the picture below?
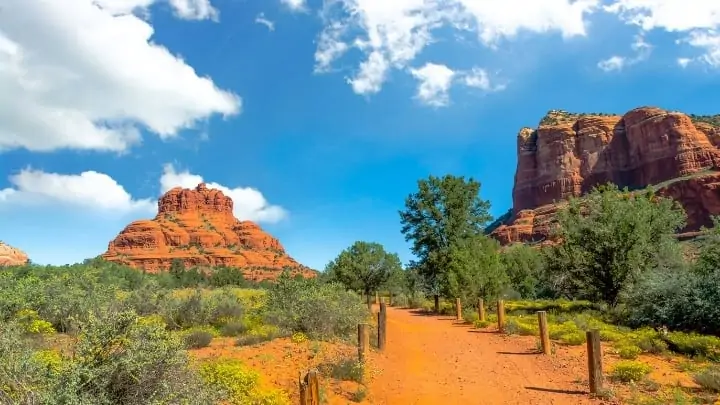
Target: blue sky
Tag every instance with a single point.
(105, 104)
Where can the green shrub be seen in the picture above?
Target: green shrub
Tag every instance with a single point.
(121, 360)
(319, 310)
(233, 329)
(693, 344)
(198, 339)
(709, 378)
(628, 351)
(344, 370)
(629, 370)
(239, 384)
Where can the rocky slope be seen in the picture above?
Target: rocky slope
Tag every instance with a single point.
(568, 154)
(198, 227)
(10, 256)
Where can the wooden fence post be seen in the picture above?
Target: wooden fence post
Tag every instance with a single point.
(377, 298)
(501, 315)
(481, 309)
(363, 340)
(594, 353)
(382, 326)
(310, 389)
(544, 332)
(458, 309)
(390, 299)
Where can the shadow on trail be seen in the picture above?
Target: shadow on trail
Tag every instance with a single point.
(519, 353)
(557, 391)
(484, 331)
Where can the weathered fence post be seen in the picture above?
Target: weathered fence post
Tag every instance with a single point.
(363, 340)
(437, 304)
(377, 298)
(390, 299)
(501, 315)
(544, 332)
(382, 326)
(310, 389)
(481, 309)
(458, 309)
(594, 353)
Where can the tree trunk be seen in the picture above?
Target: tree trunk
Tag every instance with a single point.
(437, 303)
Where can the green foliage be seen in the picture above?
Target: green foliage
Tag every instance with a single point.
(709, 378)
(363, 267)
(629, 370)
(444, 211)
(628, 351)
(198, 339)
(475, 270)
(239, 384)
(320, 310)
(345, 369)
(523, 266)
(121, 359)
(611, 238)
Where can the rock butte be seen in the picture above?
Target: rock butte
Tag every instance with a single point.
(198, 227)
(568, 154)
(10, 256)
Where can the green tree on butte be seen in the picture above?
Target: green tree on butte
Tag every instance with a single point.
(363, 267)
(609, 238)
(444, 212)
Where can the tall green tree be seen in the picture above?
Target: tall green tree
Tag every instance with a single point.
(609, 238)
(475, 269)
(523, 265)
(363, 267)
(444, 211)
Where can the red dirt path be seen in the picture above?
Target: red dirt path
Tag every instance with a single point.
(435, 360)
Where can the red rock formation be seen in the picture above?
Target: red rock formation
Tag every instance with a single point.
(198, 227)
(569, 154)
(10, 256)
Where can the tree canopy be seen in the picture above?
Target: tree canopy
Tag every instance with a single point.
(610, 237)
(444, 212)
(364, 267)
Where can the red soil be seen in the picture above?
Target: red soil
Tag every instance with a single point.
(433, 360)
(438, 361)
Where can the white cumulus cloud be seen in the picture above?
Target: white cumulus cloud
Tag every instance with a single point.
(295, 5)
(434, 84)
(88, 190)
(86, 74)
(91, 191)
(391, 34)
(698, 21)
(249, 203)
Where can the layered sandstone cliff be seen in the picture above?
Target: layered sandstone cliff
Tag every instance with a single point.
(10, 256)
(198, 227)
(569, 154)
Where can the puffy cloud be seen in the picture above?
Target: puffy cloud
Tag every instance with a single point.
(435, 81)
(88, 190)
(249, 203)
(699, 21)
(391, 34)
(85, 74)
(97, 192)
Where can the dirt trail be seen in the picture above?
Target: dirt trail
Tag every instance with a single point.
(435, 360)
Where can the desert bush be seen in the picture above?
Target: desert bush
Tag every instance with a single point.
(320, 310)
(22, 374)
(345, 369)
(709, 378)
(693, 344)
(239, 384)
(628, 351)
(233, 328)
(122, 359)
(629, 370)
(198, 339)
